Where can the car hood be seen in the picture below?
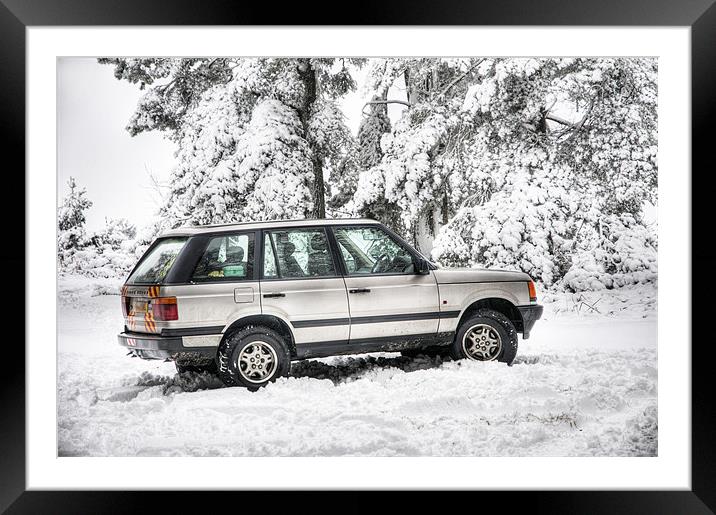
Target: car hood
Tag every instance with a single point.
(477, 275)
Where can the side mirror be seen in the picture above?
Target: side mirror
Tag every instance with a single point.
(422, 267)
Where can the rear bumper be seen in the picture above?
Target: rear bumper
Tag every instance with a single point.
(530, 315)
(148, 346)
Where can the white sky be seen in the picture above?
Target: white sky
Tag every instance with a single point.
(93, 109)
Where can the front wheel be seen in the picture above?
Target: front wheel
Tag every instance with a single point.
(488, 335)
(253, 357)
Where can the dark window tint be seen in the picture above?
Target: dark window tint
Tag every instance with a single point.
(155, 264)
(227, 258)
(300, 253)
(370, 250)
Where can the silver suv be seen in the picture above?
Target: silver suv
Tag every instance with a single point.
(244, 300)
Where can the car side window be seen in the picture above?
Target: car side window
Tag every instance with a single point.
(298, 253)
(226, 258)
(370, 250)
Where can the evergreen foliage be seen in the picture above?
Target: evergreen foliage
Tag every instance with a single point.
(543, 165)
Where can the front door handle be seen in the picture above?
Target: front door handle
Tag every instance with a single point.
(359, 290)
(273, 295)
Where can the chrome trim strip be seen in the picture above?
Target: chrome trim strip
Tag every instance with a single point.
(375, 319)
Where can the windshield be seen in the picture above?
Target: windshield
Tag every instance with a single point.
(155, 265)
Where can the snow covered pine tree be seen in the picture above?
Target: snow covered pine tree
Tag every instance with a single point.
(71, 235)
(544, 165)
(368, 193)
(255, 136)
(538, 164)
(110, 252)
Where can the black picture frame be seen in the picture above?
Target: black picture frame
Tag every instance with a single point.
(699, 15)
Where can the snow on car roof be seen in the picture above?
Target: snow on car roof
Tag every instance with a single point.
(273, 224)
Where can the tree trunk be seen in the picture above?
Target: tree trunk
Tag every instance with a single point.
(308, 77)
(408, 92)
(319, 189)
(424, 230)
(446, 208)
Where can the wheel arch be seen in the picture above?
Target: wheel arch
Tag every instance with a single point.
(499, 304)
(279, 325)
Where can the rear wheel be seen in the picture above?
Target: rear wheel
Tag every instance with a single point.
(253, 357)
(488, 335)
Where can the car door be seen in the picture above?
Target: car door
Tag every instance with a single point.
(386, 298)
(223, 285)
(301, 284)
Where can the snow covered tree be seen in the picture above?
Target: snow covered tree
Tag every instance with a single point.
(371, 200)
(374, 124)
(71, 222)
(173, 86)
(520, 162)
(115, 232)
(110, 252)
(424, 145)
(342, 185)
(331, 137)
(277, 114)
(565, 148)
(270, 164)
(538, 164)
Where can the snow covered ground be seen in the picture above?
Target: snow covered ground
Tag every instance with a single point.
(584, 384)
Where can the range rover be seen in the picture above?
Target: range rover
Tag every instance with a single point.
(244, 300)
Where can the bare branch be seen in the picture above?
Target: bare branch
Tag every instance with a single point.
(458, 79)
(404, 102)
(576, 126)
(156, 186)
(372, 102)
(586, 115)
(555, 118)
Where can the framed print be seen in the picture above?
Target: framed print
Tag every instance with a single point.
(464, 253)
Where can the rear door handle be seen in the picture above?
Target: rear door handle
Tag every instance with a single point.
(359, 290)
(273, 295)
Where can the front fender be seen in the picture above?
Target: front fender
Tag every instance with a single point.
(455, 299)
(491, 293)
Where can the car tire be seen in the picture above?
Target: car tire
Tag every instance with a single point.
(252, 357)
(480, 333)
(197, 366)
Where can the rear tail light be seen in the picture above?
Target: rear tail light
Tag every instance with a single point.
(125, 305)
(533, 291)
(165, 308)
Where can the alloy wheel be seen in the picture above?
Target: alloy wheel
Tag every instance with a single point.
(257, 362)
(482, 343)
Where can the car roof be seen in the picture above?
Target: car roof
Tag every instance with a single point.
(273, 224)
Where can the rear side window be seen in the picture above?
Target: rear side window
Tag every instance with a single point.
(298, 253)
(227, 258)
(155, 265)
